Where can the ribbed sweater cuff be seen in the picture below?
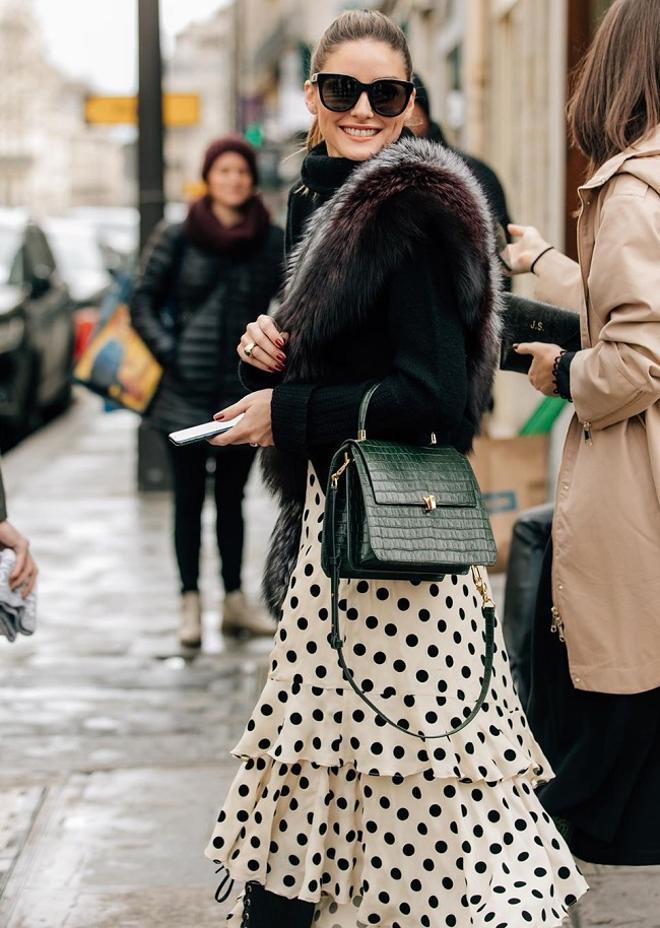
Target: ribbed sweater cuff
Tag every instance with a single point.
(564, 375)
(289, 416)
(254, 379)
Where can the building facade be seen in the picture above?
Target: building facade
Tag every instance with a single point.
(50, 160)
(201, 63)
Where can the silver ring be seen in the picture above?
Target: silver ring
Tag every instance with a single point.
(249, 348)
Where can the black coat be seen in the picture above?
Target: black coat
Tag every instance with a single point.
(212, 297)
(395, 280)
(485, 175)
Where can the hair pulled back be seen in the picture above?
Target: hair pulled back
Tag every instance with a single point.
(351, 26)
(617, 95)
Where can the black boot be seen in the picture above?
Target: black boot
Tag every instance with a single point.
(263, 909)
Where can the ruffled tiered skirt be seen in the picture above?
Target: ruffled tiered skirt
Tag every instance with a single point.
(333, 806)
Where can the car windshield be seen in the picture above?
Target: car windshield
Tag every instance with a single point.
(10, 243)
(76, 250)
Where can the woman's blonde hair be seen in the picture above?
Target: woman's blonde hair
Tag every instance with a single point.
(616, 100)
(351, 26)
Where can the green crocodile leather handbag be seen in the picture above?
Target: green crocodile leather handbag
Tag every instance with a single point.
(396, 511)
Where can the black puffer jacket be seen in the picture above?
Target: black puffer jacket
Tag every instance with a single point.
(212, 296)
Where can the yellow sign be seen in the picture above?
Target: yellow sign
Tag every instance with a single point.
(179, 109)
(192, 189)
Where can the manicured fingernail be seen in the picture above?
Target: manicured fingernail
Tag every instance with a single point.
(280, 343)
(218, 416)
(281, 358)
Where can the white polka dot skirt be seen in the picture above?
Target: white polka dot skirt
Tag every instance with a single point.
(332, 805)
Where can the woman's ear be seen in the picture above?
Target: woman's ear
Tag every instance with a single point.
(310, 97)
(411, 105)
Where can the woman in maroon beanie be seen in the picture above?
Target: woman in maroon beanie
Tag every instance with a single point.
(201, 282)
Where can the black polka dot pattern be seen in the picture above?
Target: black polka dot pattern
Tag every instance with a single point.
(334, 806)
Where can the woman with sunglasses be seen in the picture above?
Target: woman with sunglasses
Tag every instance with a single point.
(335, 815)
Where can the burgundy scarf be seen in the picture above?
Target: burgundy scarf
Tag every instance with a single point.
(204, 229)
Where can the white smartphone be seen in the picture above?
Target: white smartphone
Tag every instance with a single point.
(204, 431)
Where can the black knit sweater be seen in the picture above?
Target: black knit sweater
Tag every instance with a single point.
(413, 342)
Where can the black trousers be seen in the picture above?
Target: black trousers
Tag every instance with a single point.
(232, 469)
(604, 749)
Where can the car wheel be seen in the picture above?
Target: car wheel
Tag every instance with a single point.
(60, 404)
(27, 418)
(63, 399)
(32, 414)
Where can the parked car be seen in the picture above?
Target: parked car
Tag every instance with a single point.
(36, 328)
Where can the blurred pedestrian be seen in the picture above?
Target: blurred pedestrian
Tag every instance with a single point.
(425, 127)
(209, 276)
(24, 573)
(595, 704)
(333, 808)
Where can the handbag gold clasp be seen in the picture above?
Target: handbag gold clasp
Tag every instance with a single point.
(429, 503)
(480, 584)
(334, 479)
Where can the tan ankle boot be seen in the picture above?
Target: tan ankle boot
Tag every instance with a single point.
(244, 619)
(190, 624)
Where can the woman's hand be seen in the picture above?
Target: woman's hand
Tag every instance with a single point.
(264, 343)
(24, 575)
(520, 255)
(255, 428)
(541, 373)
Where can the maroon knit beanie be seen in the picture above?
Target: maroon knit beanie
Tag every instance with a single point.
(230, 143)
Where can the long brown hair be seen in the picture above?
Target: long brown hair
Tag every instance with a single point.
(616, 100)
(351, 26)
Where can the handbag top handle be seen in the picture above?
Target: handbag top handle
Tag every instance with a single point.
(362, 415)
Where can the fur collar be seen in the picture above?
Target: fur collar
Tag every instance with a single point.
(412, 192)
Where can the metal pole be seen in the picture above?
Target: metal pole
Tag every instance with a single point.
(150, 120)
(237, 63)
(152, 464)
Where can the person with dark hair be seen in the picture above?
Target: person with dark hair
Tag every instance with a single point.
(424, 127)
(210, 276)
(336, 813)
(595, 701)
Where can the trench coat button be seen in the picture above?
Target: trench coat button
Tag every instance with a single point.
(560, 586)
(577, 680)
(564, 486)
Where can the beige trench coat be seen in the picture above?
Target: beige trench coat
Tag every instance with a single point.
(606, 531)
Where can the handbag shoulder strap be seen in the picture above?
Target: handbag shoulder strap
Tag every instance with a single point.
(488, 612)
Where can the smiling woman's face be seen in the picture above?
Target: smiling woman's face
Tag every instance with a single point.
(360, 133)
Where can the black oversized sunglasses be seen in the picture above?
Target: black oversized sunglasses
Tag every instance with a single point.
(340, 92)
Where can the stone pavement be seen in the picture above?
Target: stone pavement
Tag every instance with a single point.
(113, 745)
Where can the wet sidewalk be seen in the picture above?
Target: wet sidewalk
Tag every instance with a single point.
(113, 747)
